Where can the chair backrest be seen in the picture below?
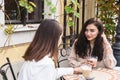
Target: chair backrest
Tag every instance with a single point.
(17, 66)
(5, 68)
(63, 57)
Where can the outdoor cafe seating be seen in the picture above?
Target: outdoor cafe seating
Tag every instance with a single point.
(10, 71)
(96, 74)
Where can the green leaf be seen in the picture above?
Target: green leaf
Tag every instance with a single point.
(69, 9)
(77, 15)
(78, 5)
(31, 3)
(53, 9)
(48, 3)
(70, 23)
(73, 1)
(51, 6)
(49, 14)
(43, 13)
(29, 9)
(9, 29)
(23, 3)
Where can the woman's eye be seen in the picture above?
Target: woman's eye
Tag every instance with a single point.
(86, 30)
(92, 30)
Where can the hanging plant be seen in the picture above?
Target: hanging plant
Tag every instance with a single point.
(26, 7)
(52, 8)
(9, 29)
(72, 12)
(29, 6)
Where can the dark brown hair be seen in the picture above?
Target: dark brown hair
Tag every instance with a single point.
(45, 41)
(82, 45)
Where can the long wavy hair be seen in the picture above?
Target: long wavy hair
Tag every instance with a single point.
(82, 45)
(45, 41)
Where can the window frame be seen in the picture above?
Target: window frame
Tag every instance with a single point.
(39, 10)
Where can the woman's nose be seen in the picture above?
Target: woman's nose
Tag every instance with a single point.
(88, 33)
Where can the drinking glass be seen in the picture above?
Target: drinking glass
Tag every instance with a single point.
(86, 70)
(92, 60)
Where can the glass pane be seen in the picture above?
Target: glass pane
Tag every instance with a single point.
(37, 14)
(17, 14)
(11, 10)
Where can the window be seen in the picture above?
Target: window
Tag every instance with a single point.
(16, 14)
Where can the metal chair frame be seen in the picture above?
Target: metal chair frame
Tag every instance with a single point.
(3, 71)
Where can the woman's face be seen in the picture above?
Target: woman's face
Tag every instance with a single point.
(91, 32)
(60, 39)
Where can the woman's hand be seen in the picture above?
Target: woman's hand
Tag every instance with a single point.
(91, 63)
(77, 70)
(103, 35)
(104, 38)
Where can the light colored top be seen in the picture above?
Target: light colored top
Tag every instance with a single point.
(42, 70)
(108, 61)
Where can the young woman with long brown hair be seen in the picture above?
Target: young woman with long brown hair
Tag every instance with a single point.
(39, 64)
(92, 42)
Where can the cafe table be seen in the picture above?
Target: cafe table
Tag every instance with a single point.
(97, 74)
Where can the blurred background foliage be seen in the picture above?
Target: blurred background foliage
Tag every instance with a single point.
(108, 11)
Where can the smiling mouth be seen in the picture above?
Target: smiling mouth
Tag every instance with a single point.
(88, 37)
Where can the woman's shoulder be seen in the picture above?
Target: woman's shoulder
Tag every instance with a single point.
(75, 41)
(44, 61)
